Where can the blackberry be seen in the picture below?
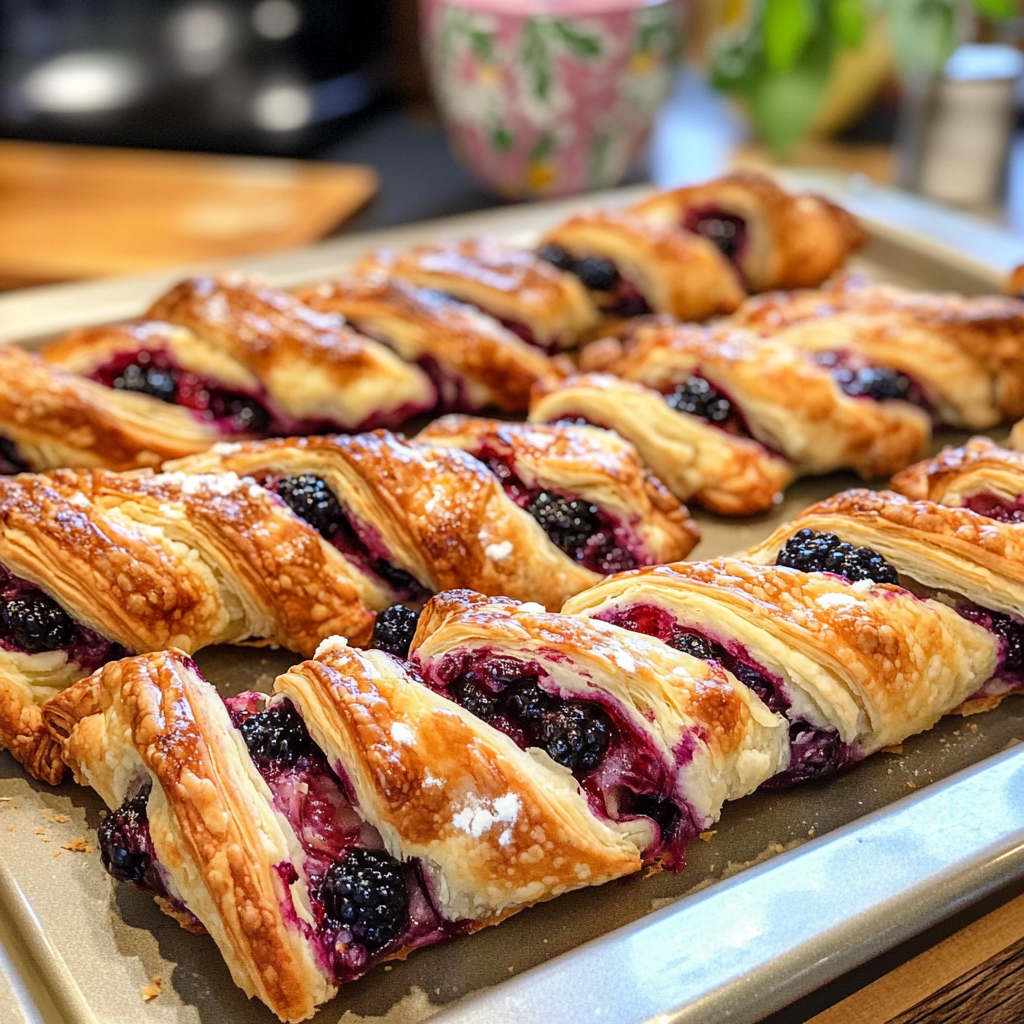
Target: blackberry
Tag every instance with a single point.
(475, 697)
(877, 382)
(810, 551)
(310, 498)
(1011, 632)
(36, 623)
(632, 305)
(529, 703)
(366, 893)
(394, 629)
(277, 734)
(695, 646)
(11, 461)
(245, 415)
(725, 231)
(698, 397)
(125, 845)
(556, 256)
(597, 273)
(148, 380)
(568, 523)
(574, 736)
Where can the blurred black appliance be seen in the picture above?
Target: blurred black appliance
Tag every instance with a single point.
(257, 76)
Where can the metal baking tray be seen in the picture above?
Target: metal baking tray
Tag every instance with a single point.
(792, 889)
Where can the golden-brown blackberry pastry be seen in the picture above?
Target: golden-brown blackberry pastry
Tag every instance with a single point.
(49, 418)
(252, 360)
(656, 739)
(1015, 282)
(960, 358)
(719, 470)
(93, 564)
(762, 388)
(979, 475)
(356, 817)
(775, 238)
(969, 561)
(586, 487)
(854, 666)
(475, 361)
(632, 267)
(541, 304)
(420, 518)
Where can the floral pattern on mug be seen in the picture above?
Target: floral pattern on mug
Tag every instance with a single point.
(543, 105)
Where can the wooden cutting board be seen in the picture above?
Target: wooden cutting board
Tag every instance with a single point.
(69, 212)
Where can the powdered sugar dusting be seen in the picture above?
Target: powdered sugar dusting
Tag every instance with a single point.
(401, 733)
(496, 552)
(478, 816)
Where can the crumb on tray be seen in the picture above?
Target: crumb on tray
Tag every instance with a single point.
(78, 845)
(152, 990)
(707, 836)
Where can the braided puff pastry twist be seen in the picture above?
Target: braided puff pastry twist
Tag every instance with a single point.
(476, 362)
(971, 562)
(425, 518)
(961, 357)
(632, 267)
(764, 388)
(776, 239)
(94, 563)
(721, 471)
(853, 666)
(49, 418)
(545, 306)
(251, 359)
(357, 817)
(657, 739)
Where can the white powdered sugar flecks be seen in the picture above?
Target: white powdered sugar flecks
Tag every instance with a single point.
(532, 607)
(478, 816)
(401, 733)
(432, 781)
(226, 447)
(863, 586)
(835, 600)
(496, 552)
(624, 661)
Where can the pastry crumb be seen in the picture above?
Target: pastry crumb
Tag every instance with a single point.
(895, 748)
(56, 854)
(152, 990)
(812, 831)
(511, 970)
(708, 836)
(61, 818)
(40, 831)
(10, 828)
(911, 784)
(78, 845)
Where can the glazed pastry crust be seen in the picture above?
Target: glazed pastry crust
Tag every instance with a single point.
(311, 365)
(951, 550)
(677, 273)
(724, 473)
(212, 822)
(153, 562)
(580, 462)
(421, 768)
(791, 404)
(666, 694)
(955, 474)
(485, 363)
(793, 240)
(963, 352)
(86, 349)
(872, 661)
(441, 515)
(57, 419)
(511, 284)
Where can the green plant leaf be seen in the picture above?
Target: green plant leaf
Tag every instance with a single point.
(581, 44)
(849, 20)
(482, 45)
(536, 58)
(787, 26)
(997, 8)
(923, 34)
(501, 139)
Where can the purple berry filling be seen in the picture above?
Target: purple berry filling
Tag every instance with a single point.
(1006, 510)
(727, 231)
(699, 397)
(310, 497)
(11, 461)
(1009, 632)
(591, 536)
(318, 804)
(32, 622)
(624, 777)
(859, 379)
(814, 751)
(126, 848)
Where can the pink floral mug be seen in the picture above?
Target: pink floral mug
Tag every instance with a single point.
(550, 97)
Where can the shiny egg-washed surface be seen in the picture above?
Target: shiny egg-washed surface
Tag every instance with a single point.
(95, 947)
